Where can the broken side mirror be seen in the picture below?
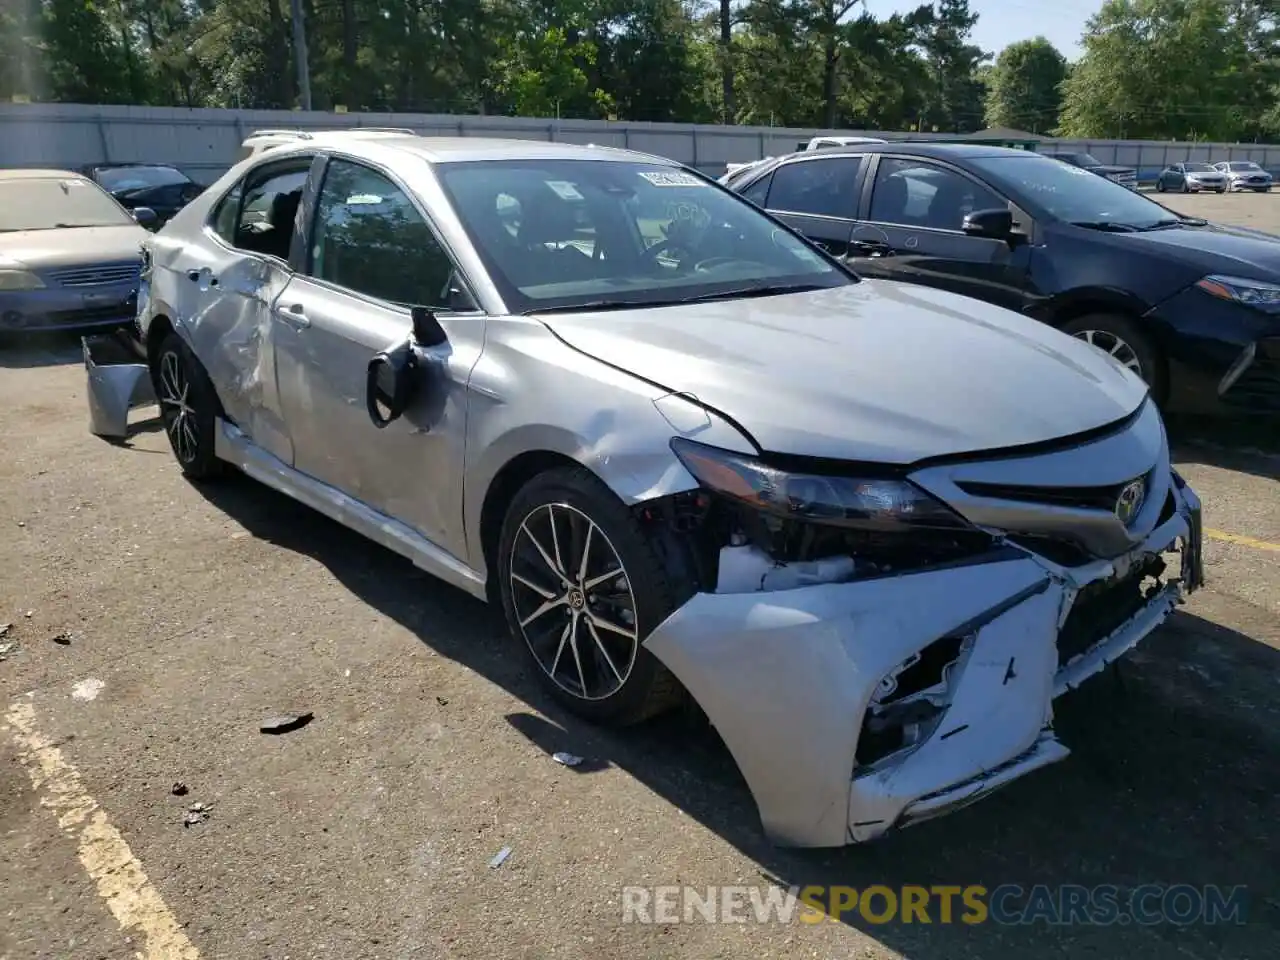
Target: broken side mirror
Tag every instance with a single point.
(146, 217)
(390, 383)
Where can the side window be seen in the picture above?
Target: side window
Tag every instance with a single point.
(269, 212)
(369, 238)
(826, 187)
(917, 194)
(757, 192)
(226, 214)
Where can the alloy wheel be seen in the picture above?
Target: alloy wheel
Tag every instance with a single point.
(178, 415)
(1109, 343)
(573, 601)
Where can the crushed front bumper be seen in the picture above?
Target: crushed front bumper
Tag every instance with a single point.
(789, 678)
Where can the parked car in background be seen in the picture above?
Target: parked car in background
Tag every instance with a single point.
(1191, 178)
(69, 253)
(1190, 306)
(816, 143)
(159, 186)
(1125, 176)
(1245, 175)
(686, 453)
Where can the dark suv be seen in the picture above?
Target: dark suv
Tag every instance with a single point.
(1190, 306)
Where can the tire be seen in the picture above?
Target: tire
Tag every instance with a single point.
(189, 425)
(1222, 190)
(1159, 186)
(1150, 362)
(584, 510)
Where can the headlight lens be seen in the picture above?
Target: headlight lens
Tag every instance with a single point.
(20, 280)
(1254, 293)
(864, 503)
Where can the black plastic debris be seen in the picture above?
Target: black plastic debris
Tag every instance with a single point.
(179, 789)
(442, 701)
(285, 723)
(62, 639)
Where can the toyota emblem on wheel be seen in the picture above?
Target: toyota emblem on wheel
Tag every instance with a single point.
(1129, 503)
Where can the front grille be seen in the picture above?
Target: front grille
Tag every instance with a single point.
(1258, 388)
(121, 311)
(1080, 498)
(96, 276)
(1103, 606)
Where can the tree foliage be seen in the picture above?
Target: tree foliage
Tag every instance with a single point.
(1022, 87)
(1151, 68)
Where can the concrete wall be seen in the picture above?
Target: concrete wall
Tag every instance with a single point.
(204, 142)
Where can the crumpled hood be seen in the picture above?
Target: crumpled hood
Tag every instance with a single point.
(876, 371)
(41, 249)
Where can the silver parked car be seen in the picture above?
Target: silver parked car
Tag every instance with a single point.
(1191, 178)
(872, 529)
(1244, 175)
(69, 253)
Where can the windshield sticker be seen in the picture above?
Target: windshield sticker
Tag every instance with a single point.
(566, 190)
(672, 179)
(364, 200)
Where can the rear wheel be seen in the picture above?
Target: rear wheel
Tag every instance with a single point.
(1120, 338)
(188, 407)
(582, 587)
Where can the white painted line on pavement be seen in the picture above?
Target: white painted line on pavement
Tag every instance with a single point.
(120, 879)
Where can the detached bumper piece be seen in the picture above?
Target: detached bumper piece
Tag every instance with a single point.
(1253, 382)
(854, 708)
(119, 380)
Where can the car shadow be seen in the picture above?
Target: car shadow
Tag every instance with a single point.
(28, 350)
(1174, 776)
(1243, 445)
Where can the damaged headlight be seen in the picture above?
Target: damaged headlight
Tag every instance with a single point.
(858, 502)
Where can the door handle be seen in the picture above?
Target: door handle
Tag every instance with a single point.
(294, 316)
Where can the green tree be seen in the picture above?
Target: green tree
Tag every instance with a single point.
(955, 102)
(1023, 86)
(84, 61)
(1186, 69)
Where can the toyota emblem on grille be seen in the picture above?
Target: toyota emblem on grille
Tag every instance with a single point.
(1129, 503)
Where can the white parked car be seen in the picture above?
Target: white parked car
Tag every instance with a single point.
(1245, 175)
(872, 530)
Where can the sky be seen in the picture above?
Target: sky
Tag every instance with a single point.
(1002, 22)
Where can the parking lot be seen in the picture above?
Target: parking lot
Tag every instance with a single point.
(156, 624)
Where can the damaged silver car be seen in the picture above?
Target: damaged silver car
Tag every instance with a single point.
(874, 530)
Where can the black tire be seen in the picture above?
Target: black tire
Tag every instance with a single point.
(1159, 186)
(190, 430)
(1222, 190)
(565, 496)
(1153, 368)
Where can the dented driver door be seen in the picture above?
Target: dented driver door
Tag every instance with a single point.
(372, 255)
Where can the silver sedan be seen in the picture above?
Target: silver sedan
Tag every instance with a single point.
(873, 530)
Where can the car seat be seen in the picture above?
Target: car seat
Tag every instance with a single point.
(889, 201)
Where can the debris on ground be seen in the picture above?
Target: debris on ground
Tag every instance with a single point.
(87, 689)
(4, 629)
(196, 813)
(7, 648)
(62, 639)
(179, 789)
(500, 857)
(567, 759)
(442, 701)
(285, 723)
(29, 614)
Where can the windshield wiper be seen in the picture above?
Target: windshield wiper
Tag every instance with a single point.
(737, 293)
(1175, 222)
(1110, 226)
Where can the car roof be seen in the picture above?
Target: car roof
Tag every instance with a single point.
(125, 164)
(460, 149)
(36, 173)
(917, 148)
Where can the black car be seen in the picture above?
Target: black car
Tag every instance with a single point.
(163, 188)
(1192, 307)
(1125, 176)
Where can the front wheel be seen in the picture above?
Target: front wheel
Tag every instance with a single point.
(582, 587)
(188, 408)
(1120, 338)
(1159, 186)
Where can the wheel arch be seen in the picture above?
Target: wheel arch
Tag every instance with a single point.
(157, 331)
(1080, 303)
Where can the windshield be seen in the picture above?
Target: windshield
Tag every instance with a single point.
(1198, 168)
(1243, 165)
(118, 179)
(590, 233)
(46, 204)
(1068, 193)
(1085, 159)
